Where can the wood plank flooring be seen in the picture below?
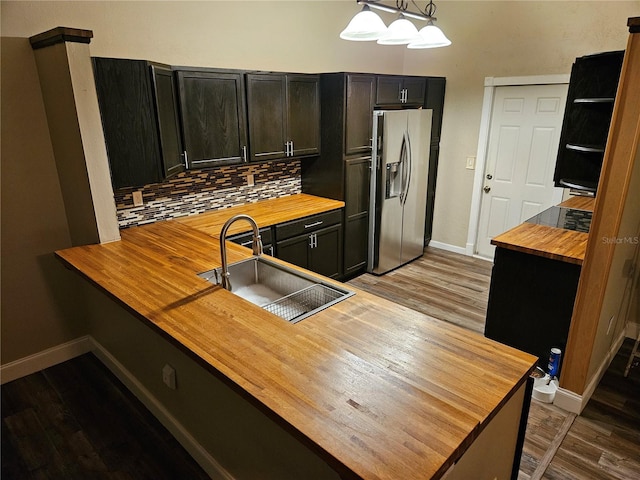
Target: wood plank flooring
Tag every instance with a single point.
(77, 421)
(440, 284)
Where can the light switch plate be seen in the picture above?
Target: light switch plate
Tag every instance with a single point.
(471, 163)
(250, 180)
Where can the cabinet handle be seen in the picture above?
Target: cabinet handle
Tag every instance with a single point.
(286, 149)
(314, 224)
(291, 147)
(186, 160)
(244, 153)
(311, 241)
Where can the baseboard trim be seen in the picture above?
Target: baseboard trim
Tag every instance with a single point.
(181, 434)
(44, 359)
(632, 330)
(575, 403)
(448, 247)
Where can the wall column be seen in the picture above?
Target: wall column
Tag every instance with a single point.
(68, 89)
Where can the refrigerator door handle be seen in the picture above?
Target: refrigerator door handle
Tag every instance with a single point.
(405, 156)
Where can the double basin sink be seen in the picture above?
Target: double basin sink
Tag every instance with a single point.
(283, 291)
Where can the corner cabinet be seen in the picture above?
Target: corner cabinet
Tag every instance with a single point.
(313, 242)
(284, 115)
(592, 92)
(213, 114)
(139, 118)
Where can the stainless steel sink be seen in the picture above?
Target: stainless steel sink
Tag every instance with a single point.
(288, 293)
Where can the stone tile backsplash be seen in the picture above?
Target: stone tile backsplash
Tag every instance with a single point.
(198, 191)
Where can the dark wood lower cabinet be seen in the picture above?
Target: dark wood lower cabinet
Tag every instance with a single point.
(319, 251)
(531, 302)
(356, 215)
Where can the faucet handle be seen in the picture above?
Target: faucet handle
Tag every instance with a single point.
(257, 245)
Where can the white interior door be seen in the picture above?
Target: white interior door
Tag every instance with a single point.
(524, 132)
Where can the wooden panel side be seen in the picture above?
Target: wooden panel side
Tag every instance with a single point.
(620, 154)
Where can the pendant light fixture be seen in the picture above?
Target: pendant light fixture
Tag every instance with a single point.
(400, 32)
(367, 26)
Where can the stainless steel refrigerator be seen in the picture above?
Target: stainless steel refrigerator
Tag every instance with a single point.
(400, 163)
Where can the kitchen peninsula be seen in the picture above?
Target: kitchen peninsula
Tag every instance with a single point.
(535, 277)
(376, 390)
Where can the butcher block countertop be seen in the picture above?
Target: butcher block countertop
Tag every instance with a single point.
(265, 213)
(379, 390)
(549, 242)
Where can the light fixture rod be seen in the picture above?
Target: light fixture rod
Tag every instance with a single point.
(386, 8)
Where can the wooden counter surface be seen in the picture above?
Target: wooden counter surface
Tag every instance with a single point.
(265, 213)
(383, 392)
(549, 242)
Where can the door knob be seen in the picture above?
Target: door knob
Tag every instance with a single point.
(489, 176)
(487, 189)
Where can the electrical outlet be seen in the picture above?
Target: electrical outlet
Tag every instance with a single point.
(169, 376)
(250, 180)
(137, 198)
(471, 163)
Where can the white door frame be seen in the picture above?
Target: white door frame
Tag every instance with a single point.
(490, 84)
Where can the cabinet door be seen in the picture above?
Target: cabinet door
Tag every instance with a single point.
(359, 113)
(125, 98)
(212, 108)
(389, 90)
(356, 214)
(415, 90)
(168, 124)
(303, 114)
(266, 95)
(295, 250)
(325, 252)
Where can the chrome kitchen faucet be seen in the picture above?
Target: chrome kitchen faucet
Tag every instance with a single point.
(256, 245)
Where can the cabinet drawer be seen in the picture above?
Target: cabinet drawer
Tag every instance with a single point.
(245, 239)
(307, 224)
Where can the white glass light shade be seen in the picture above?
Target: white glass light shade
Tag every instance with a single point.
(400, 32)
(430, 37)
(364, 27)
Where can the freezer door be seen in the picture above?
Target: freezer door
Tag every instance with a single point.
(415, 196)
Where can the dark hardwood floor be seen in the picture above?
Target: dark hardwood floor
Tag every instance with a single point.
(77, 421)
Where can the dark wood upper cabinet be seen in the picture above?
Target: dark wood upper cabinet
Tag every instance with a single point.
(212, 110)
(284, 115)
(394, 90)
(139, 118)
(303, 114)
(360, 100)
(166, 101)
